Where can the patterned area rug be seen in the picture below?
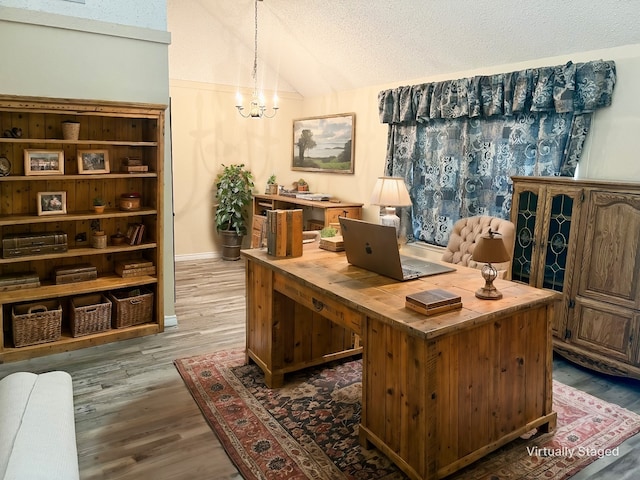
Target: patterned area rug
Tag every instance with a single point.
(309, 428)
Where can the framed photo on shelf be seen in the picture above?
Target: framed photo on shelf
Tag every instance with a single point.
(43, 162)
(52, 203)
(324, 144)
(93, 161)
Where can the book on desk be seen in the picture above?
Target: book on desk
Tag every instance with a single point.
(433, 301)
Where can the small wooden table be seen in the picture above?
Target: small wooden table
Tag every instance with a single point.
(438, 392)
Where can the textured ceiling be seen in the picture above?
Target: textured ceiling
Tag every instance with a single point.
(322, 46)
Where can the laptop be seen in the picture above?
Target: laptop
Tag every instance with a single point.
(374, 247)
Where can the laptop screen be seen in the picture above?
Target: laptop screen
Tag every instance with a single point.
(371, 246)
(374, 247)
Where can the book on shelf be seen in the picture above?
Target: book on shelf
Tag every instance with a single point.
(433, 301)
(133, 268)
(135, 233)
(140, 234)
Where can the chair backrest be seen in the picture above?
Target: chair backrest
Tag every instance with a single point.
(465, 234)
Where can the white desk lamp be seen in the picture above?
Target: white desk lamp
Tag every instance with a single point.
(390, 192)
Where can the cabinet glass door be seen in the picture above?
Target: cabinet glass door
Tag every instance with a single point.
(525, 230)
(557, 242)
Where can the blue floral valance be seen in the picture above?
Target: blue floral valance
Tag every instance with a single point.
(572, 88)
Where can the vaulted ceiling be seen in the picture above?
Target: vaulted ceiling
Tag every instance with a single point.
(320, 46)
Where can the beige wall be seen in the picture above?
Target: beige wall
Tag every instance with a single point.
(209, 132)
(58, 56)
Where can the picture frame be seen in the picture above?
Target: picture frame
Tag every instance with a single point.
(324, 144)
(43, 162)
(93, 161)
(52, 203)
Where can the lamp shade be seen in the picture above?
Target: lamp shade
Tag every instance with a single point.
(390, 192)
(490, 249)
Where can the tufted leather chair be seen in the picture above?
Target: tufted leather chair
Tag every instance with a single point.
(463, 237)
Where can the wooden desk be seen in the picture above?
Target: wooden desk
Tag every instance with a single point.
(439, 392)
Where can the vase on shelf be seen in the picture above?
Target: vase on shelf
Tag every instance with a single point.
(70, 130)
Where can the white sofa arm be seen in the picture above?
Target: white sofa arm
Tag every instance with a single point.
(37, 427)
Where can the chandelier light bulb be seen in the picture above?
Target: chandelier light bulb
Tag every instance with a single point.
(258, 106)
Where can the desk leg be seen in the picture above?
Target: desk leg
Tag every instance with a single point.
(271, 380)
(274, 381)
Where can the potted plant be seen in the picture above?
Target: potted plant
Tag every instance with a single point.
(272, 185)
(99, 205)
(303, 186)
(234, 192)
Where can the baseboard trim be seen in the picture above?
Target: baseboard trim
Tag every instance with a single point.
(196, 256)
(170, 321)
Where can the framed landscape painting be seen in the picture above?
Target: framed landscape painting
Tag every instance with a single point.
(324, 144)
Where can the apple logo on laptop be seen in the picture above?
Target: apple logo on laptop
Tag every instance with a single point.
(367, 248)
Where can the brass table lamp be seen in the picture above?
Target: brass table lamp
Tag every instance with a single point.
(490, 249)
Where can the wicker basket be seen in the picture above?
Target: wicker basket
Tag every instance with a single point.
(90, 314)
(35, 323)
(131, 307)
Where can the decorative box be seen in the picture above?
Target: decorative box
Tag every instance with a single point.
(19, 280)
(23, 244)
(74, 273)
(431, 302)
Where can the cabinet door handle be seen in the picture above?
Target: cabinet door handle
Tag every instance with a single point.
(317, 304)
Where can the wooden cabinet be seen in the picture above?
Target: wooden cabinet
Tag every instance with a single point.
(546, 216)
(598, 322)
(606, 319)
(117, 132)
(317, 214)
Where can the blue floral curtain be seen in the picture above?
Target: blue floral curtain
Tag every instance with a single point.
(458, 142)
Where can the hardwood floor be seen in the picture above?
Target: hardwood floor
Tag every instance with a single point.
(136, 420)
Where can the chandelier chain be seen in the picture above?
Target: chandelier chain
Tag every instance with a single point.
(257, 107)
(255, 47)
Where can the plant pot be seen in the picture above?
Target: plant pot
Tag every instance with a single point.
(303, 188)
(98, 208)
(272, 189)
(231, 243)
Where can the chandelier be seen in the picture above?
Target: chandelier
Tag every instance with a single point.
(257, 107)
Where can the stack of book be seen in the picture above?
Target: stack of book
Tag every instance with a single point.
(284, 233)
(135, 268)
(431, 302)
(334, 244)
(133, 165)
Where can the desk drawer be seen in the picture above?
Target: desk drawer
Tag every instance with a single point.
(333, 213)
(319, 303)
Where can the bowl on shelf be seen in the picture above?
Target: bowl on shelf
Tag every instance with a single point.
(130, 201)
